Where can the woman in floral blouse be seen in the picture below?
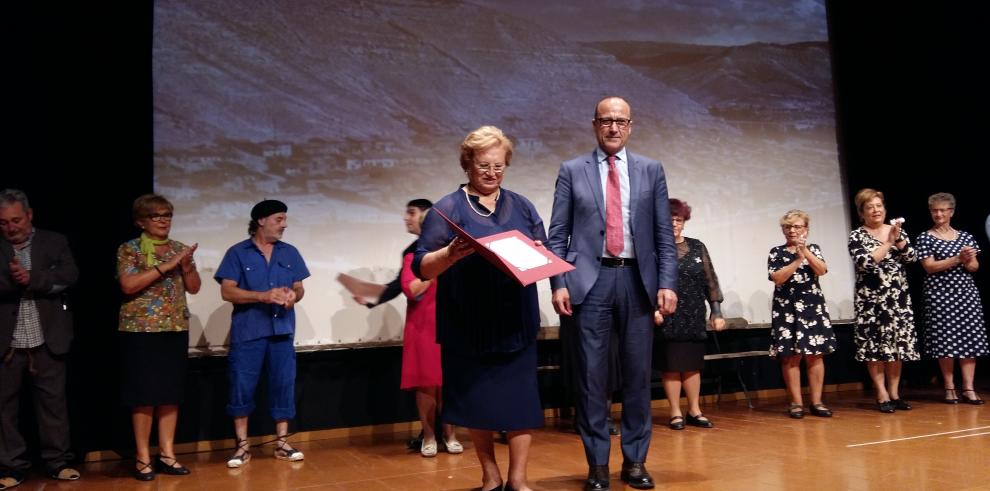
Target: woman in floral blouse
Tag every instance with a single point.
(884, 333)
(155, 273)
(801, 325)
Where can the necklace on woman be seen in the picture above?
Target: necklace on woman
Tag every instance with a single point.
(468, 198)
(945, 235)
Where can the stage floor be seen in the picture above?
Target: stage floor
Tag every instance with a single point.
(934, 446)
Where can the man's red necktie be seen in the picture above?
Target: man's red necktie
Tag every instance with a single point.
(613, 211)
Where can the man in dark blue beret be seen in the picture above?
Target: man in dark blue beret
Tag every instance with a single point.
(262, 276)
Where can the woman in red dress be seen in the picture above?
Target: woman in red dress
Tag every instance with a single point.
(420, 352)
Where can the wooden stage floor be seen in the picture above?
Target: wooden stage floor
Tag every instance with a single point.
(934, 446)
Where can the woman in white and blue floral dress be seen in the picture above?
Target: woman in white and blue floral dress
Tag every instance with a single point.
(885, 335)
(800, 326)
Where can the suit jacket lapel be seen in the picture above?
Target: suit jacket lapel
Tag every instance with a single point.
(6, 251)
(595, 183)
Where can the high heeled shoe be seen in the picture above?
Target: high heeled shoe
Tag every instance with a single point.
(951, 397)
(976, 401)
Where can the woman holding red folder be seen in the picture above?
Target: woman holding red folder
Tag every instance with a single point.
(486, 321)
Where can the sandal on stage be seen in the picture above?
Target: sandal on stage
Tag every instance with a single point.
(795, 410)
(284, 451)
(676, 423)
(975, 400)
(241, 456)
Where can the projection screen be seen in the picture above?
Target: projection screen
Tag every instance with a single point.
(346, 110)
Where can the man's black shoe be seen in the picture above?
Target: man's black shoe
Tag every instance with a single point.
(597, 478)
(635, 476)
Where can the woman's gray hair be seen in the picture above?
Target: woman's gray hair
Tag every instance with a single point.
(942, 198)
(11, 196)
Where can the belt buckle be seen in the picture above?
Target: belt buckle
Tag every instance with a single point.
(614, 262)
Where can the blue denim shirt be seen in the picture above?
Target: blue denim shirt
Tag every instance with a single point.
(245, 264)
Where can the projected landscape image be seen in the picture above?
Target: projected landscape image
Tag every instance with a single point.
(346, 110)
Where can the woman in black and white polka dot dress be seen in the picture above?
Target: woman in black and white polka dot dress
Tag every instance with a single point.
(953, 312)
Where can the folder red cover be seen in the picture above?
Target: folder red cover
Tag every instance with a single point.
(514, 253)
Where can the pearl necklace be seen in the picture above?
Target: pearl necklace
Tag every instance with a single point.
(943, 235)
(468, 198)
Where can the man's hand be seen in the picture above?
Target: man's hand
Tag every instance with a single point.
(275, 296)
(21, 276)
(666, 301)
(562, 301)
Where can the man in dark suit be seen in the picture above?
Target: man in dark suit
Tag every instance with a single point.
(611, 220)
(36, 267)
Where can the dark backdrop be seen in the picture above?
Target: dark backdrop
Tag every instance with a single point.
(910, 94)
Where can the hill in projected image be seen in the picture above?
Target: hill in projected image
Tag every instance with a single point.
(346, 110)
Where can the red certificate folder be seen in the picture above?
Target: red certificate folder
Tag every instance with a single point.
(514, 253)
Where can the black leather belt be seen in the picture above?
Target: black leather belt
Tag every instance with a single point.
(618, 262)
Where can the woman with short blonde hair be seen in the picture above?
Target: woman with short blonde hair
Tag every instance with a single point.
(801, 327)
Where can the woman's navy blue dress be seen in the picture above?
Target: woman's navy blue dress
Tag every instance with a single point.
(486, 322)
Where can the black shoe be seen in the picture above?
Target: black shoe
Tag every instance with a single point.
(415, 443)
(635, 474)
(821, 410)
(139, 473)
(885, 406)
(795, 411)
(700, 421)
(173, 469)
(597, 478)
(951, 397)
(976, 401)
(900, 404)
(676, 423)
(613, 429)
